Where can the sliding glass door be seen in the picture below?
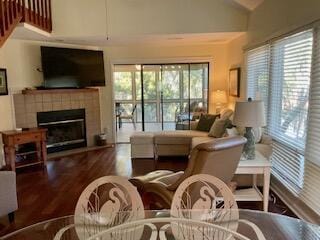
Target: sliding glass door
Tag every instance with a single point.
(160, 96)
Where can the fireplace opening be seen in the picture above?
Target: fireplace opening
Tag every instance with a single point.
(66, 129)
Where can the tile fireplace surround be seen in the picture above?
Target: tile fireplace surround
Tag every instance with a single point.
(27, 104)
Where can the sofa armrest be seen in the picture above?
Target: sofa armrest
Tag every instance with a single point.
(8, 192)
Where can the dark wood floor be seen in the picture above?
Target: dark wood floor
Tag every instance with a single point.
(45, 194)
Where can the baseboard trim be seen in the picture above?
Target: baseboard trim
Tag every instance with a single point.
(297, 206)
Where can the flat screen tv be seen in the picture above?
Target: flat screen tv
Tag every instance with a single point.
(72, 68)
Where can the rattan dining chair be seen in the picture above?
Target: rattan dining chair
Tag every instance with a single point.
(206, 198)
(107, 202)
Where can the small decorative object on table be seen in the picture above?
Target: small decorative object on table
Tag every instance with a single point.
(249, 114)
(3, 82)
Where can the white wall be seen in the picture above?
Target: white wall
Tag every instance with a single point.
(83, 18)
(271, 19)
(274, 17)
(79, 18)
(236, 59)
(22, 58)
(145, 54)
(127, 17)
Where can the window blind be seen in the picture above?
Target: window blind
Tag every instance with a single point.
(258, 74)
(311, 190)
(291, 59)
(313, 141)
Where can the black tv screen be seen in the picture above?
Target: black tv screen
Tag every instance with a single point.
(72, 68)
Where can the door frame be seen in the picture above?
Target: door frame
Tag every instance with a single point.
(181, 60)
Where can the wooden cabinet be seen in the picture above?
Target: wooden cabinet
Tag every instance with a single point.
(12, 139)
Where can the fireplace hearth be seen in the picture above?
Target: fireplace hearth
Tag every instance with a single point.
(31, 103)
(66, 129)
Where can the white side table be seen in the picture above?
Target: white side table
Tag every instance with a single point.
(260, 165)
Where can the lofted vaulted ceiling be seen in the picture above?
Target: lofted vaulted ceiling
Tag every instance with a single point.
(247, 4)
(169, 22)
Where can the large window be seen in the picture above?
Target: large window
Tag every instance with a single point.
(258, 74)
(168, 90)
(279, 74)
(286, 75)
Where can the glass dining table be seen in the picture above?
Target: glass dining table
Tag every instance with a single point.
(191, 224)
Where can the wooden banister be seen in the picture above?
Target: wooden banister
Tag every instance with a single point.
(34, 12)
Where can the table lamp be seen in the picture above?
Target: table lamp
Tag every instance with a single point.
(249, 114)
(219, 98)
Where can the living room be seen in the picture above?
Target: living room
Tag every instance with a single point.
(265, 50)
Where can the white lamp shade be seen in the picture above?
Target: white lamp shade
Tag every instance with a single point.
(249, 114)
(219, 96)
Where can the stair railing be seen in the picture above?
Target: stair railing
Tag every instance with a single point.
(34, 12)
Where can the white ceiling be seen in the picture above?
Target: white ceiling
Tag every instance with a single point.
(27, 32)
(172, 39)
(248, 4)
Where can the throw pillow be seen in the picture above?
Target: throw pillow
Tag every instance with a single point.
(196, 116)
(219, 128)
(205, 122)
(226, 113)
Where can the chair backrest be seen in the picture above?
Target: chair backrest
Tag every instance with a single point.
(134, 109)
(219, 157)
(206, 198)
(108, 201)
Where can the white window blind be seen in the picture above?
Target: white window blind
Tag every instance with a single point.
(291, 59)
(311, 190)
(294, 113)
(258, 74)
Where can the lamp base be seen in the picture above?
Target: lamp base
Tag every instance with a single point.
(249, 147)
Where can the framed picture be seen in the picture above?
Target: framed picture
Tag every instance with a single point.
(3, 82)
(234, 82)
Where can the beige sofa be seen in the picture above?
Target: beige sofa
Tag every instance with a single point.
(168, 143)
(180, 142)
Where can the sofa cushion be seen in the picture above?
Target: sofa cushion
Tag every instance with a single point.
(219, 127)
(172, 139)
(141, 180)
(206, 122)
(179, 137)
(142, 138)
